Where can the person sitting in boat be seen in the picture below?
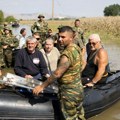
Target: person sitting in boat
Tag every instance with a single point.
(29, 61)
(51, 54)
(96, 68)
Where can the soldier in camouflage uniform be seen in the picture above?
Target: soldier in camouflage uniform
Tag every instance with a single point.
(69, 79)
(9, 43)
(3, 27)
(79, 34)
(2, 63)
(40, 26)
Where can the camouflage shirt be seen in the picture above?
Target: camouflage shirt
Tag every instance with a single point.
(73, 72)
(79, 37)
(11, 41)
(70, 87)
(40, 26)
(2, 63)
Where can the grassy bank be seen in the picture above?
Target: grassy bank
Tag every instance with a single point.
(107, 27)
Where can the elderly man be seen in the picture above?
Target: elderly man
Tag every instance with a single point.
(96, 68)
(68, 75)
(51, 54)
(29, 62)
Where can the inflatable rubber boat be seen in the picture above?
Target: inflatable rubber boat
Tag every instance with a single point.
(20, 103)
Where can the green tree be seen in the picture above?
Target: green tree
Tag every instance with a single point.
(10, 19)
(112, 10)
(1, 17)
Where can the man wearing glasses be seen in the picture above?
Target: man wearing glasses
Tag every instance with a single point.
(96, 69)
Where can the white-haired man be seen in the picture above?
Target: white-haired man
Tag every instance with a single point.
(96, 68)
(51, 54)
(29, 62)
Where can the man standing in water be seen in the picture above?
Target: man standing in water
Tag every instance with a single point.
(68, 75)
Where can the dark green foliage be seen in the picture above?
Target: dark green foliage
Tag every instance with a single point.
(1, 17)
(10, 19)
(112, 10)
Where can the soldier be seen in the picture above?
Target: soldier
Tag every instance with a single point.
(3, 27)
(68, 75)
(79, 36)
(57, 41)
(9, 43)
(37, 36)
(40, 26)
(2, 63)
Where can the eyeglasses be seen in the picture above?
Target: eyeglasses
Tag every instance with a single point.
(38, 38)
(92, 43)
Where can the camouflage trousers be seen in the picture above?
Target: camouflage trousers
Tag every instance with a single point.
(2, 62)
(8, 57)
(71, 100)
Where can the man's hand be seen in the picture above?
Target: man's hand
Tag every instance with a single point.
(28, 76)
(90, 84)
(38, 89)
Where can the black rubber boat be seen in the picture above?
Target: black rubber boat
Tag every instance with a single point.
(18, 103)
(102, 96)
(15, 24)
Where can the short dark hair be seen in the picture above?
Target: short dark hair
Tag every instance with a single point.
(66, 28)
(22, 30)
(77, 20)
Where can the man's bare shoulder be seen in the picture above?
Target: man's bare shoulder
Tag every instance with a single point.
(102, 52)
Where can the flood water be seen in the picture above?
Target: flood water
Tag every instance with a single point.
(16, 31)
(112, 113)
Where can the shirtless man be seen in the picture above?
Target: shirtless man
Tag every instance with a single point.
(95, 70)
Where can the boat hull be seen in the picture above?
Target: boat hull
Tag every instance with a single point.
(100, 98)
(17, 104)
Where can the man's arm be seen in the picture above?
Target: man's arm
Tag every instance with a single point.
(18, 65)
(61, 69)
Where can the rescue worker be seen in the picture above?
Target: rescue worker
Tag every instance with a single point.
(40, 26)
(9, 43)
(68, 75)
(79, 36)
(2, 62)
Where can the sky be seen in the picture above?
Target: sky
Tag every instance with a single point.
(73, 8)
